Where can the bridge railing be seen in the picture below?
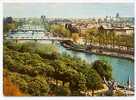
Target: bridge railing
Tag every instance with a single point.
(38, 38)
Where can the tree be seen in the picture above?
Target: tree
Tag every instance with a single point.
(60, 69)
(59, 30)
(32, 65)
(90, 35)
(9, 24)
(75, 37)
(38, 87)
(77, 83)
(113, 38)
(93, 80)
(28, 47)
(103, 69)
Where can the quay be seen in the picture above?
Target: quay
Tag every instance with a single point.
(96, 51)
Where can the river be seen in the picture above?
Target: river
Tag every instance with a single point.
(122, 69)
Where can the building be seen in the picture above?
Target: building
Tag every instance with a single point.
(44, 22)
(117, 30)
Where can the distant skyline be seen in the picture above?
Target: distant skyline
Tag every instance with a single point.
(68, 9)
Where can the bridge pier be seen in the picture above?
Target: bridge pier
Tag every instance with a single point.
(35, 40)
(16, 40)
(53, 41)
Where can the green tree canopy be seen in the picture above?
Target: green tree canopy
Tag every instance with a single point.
(104, 69)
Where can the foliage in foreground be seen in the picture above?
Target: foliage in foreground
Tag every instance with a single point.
(9, 89)
(37, 71)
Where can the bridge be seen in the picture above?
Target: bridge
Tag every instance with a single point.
(38, 38)
(33, 34)
(33, 30)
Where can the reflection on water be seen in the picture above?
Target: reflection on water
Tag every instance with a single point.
(121, 68)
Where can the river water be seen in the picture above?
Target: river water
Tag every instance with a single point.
(122, 69)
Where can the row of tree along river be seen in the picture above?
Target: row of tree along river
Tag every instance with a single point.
(122, 69)
(122, 65)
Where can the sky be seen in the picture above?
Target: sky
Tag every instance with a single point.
(68, 9)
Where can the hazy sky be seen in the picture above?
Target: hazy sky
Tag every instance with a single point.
(68, 9)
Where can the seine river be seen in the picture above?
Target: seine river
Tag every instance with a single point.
(122, 69)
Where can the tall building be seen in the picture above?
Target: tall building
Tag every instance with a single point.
(117, 15)
(43, 19)
(118, 19)
(44, 22)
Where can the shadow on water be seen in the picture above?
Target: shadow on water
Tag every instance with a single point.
(121, 68)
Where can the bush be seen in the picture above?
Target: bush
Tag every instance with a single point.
(103, 69)
(38, 87)
(29, 64)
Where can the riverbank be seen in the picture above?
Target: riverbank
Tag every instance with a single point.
(74, 47)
